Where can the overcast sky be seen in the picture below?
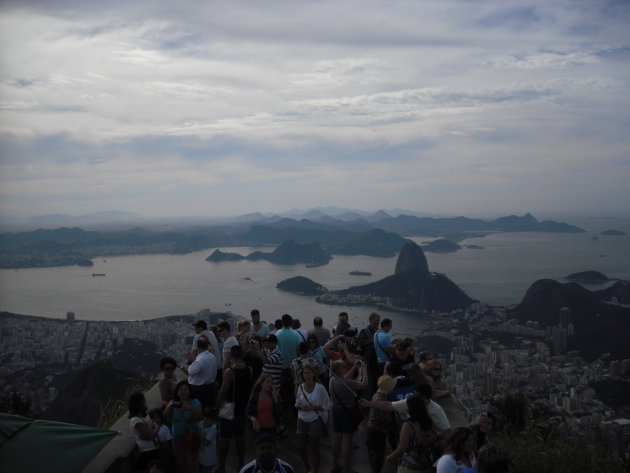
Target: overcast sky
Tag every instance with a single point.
(221, 108)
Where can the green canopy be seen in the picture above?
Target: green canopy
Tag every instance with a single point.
(28, 445)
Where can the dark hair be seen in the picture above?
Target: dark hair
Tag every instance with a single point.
(202, 343)
(254, 312)
(177, 387)
(156, 412)
(317, 321)
(424, 356)
(271, 338)
(278, 324)
(303, 348)
(344, 314)
(295, 323)
(236, 352)
(312, 337)
(424, 390)
(224, 326)
(386, 323)
(287, 320)
(457, 439)
(313, 368)
(167, 360)
(418, 412)
(202, 324)
(137, 404)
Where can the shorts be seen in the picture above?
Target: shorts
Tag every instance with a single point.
(314, 428)
(342, 424)
(232, 428)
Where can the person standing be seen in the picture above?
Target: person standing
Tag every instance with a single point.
(267, 458)
(271, 358)
(383, 345)
(258, 327)
(229, 341)
(202, 374)
(184, 412)
(380, 425)
(288, 342)
(143, 430)
(321, 332)
(365, 342)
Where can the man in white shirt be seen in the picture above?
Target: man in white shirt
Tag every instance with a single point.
(229, 341)
(201, 329)
(202, 374)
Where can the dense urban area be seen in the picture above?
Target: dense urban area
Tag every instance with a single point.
(485, 353)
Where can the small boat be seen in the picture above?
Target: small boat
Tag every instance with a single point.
(98, 274)
(360, 273)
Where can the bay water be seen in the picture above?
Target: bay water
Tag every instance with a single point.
(149, 286)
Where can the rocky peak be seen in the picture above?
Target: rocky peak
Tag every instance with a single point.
(412, 259)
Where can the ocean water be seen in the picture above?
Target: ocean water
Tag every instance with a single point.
(149, 286)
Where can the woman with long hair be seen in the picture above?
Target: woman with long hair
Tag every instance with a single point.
(184, 414)
(312, 402)
(416, 441)
(264, 407)
(344, 394)
(459, 456)
(143, 430)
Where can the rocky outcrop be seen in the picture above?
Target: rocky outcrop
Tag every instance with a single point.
(441, 246)
(411, 259)
(301, 285)
(218, 256)
(290, 252)
(588, 277)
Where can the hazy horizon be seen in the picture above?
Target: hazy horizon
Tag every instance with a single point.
(480, 109)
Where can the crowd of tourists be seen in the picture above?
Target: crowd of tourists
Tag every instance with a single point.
(276, 380)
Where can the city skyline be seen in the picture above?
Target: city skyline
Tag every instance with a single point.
(226, 108)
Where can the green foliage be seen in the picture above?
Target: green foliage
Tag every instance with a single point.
(545, 449)
(15, 404)
(113, 409)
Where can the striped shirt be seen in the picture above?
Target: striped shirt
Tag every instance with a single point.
(281, 467)
(273, 366)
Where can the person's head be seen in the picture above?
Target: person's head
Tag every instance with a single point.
(182, 391)
(236, 354)
(266, 451)
(342, 328)
(156, 416)
(287, 320)
(343, 317)
(485, 420)
(433, 368)
(403, 349)
(263, 383)
(460, 442)
(168, 365)
(303, 348)
(337, 367)
(278, 324)
(374, 319)
(418, 412)
(200, 326)
(308, 373)
(137, 405)
(386, 384)
(317, 321)
(255, 314)
(223, 329)
(271, 341)
(244, 326)
(423, 390)
(312, 341)
(295, 324)
(386, 325)
(202, 343)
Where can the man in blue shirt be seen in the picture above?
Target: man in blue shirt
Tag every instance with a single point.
(383, 345)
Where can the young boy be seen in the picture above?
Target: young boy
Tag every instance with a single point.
(208, 436)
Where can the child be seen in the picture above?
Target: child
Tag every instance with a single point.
(163, 436)
(208, 436)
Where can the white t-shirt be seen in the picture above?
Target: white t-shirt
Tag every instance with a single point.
(435, 411)
(164, 434)
(227, 345)
(143, 445)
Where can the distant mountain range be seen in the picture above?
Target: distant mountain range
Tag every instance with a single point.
(376, 235)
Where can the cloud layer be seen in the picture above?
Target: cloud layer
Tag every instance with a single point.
(215, 108)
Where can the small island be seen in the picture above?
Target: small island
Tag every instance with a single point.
(441, 246)
(360, 273)
(289, 252)
(588, 277)
(301, 285)
(474, 247)
(613, 233)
